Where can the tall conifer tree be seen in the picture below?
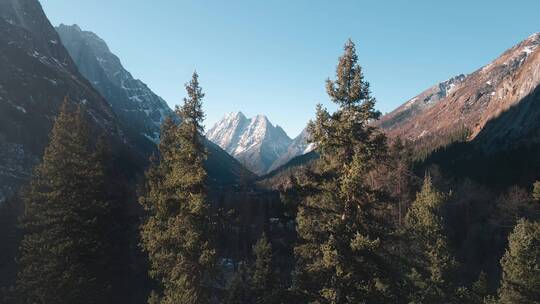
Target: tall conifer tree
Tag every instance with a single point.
(177, 234)
(521, 265)
(338, 254)
(433, 267)
(62, 254)
(263, 280)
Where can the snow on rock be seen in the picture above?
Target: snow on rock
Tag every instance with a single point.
(255, 142)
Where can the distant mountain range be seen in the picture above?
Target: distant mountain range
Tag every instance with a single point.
(255, 142)
(494, 109)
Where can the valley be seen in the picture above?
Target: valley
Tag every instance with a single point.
(108, 194)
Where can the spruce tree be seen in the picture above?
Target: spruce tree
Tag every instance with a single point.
(239, 288)
(339, 249)
(432, 265)
(263, 281)
(536, 191)
(62, 254)
(256, 282)
(480, 289)
(520, 282)
(177, 234)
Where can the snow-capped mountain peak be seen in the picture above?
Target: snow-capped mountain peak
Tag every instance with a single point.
(256, 142)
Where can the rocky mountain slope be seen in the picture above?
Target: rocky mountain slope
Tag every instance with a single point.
(298, 146)
(476, 104)
(140, 111)
(37, 74)
(255, 142)
(420, 103)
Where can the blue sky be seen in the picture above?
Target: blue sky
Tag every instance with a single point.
(272, 57)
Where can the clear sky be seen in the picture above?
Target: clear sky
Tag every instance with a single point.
(272, 57)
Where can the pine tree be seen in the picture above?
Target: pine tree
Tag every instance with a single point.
(178, 232)
(520, 282)
(339, 250)
(433, 266)
(62, 254)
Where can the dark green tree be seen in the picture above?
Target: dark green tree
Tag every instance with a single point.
(339, 252)
(263, 278)
(432, 265)
(62, 254)
(177, 234)
(520, 282)
(536, 191)
(257, 282)
(239, 289)
(480, 289)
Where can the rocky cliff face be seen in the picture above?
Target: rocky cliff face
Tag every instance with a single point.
(139, 110)
(255, 142)
(37, 74)
(477, 103)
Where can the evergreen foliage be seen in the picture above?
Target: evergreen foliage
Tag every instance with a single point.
(480, 289)
(239, 289)
(339, 250)
(520, 282)
(536, 191)
(63, 251)
(256, 283)
(177, 234)
(263, 279)
(432, 265)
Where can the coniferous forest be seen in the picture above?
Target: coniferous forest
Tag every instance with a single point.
(367, 215)
(366, 221)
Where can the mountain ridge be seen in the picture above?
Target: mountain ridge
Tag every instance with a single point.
(140, 110)
(476, 99)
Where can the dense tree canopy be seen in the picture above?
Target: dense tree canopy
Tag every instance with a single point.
(521, 265)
